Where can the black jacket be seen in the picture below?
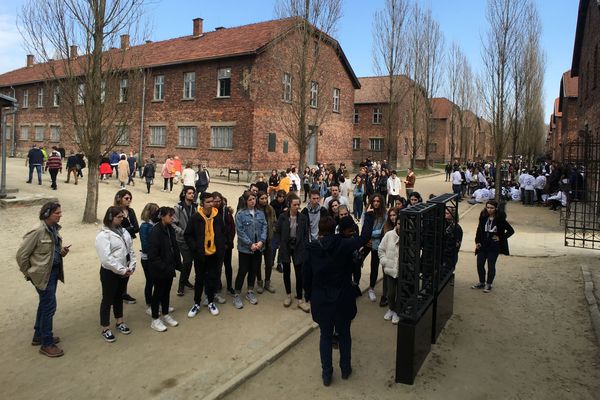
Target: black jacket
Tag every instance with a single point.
(131, 223)
(327, 274)
(163, 253)
(194, 237)
(504, 231)
(287, 250)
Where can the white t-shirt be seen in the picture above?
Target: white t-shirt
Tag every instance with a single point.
(515, 194)
(481, 195)
(456, 178)
(188, 176)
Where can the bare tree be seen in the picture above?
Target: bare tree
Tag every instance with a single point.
(388, 61)
(317, 22)
(95, 89)
(499, 51)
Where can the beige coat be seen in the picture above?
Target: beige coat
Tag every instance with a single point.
(36, 254)
(124, 171)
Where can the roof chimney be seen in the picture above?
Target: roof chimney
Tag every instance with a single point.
(29, 60)
(219, 28)
(73, 51)
(197, 26)
(124, 42)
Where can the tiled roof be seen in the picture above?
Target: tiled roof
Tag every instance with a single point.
(441, 108)
(373, 89)
(222, 43)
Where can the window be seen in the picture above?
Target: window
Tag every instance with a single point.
(54, 133)
(24, 133)
(123, 89)
(314, 94)
(336, 100)
(188, 136)
(40, 97)
(221, 137)
(285, 146)
(81, 94)
(122, 135)
(272, 142)
(287, 87)
(189, 85)
(355, 143)
(377, 116)
(355, 116)
(432, 147)
(56, 97)
(158, 135)
(159, 87)
(224, 82)
(25, 98)
(39, 133)
(376, 144)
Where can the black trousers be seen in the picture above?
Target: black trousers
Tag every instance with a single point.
(207, 275)
(268, 255)
(170, 182)
(287, 279)
(228, 270)
(53, 173)
(149, 283)
(113, 288)
(342, 328)
(161, 295)
(186, 265)
(249, 265)
(374, 268)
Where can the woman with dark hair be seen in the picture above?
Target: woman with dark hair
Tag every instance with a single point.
(273, 184)
(333, 207)
(453, 235)
(307, 180)
(226, 214)
(117, 262)
(251, 229)
(390, 221)
(415, 198)
(263, 205)
(327, 279)
(292, 233)
(377, 204)
(123, 200)
(358, 193)
(491, 239)
(163, 259)
(148, 217)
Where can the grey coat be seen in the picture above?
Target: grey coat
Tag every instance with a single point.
(288, 252)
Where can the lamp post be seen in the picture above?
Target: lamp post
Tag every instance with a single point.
(8, 106)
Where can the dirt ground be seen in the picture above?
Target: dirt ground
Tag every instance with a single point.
(530, 338)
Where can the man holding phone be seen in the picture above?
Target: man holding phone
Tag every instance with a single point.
(40, 259)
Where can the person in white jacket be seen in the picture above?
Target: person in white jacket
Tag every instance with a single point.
(188, 176)
(388, 259)
(117, 261)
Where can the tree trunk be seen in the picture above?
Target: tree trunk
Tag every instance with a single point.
(90, 211)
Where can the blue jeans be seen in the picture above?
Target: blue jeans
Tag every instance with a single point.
(342, 328)
(46, 310)
(39, 172)
(457, 189)
(357, 206)
(489, 255)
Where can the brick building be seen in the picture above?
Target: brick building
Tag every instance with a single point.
(219, 97)
(568, 109)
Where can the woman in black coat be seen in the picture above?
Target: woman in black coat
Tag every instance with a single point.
(163, 259)
(292, 247)
(328, 286)
(491, 240)
(123, 200)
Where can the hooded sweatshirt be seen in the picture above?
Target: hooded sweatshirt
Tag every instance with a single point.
(209, 231)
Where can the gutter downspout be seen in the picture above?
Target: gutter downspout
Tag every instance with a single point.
(141, 152)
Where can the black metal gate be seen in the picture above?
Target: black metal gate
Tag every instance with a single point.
(582, 214)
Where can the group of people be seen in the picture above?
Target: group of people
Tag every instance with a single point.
(40, 161)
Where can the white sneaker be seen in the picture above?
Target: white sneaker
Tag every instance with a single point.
(169, 320)
(194, 311)
(220, 299)
(158, 325)
(213, 309)
(372, 295)
(388, 315)
(149, 311)
(395, 319)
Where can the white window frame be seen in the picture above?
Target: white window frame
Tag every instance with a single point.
(223, 76)
(38, 133)
(356, 143)
(187, 136)
(123, 133)
(221, 137)
(24, 135)
(377, 116)
(40, 97)
(158, 135)
(314, 94)
(25, 99)
(55, 133)
(376, 144)
(287, 87)
(56, 96)
(189, 85)
(355, 116)
(159, 88)
(123, 90)
(336, 100)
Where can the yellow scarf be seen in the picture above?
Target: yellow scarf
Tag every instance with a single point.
(209, 231)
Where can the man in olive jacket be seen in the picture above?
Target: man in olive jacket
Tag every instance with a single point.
(40, 260)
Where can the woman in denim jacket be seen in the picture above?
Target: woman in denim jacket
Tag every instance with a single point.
(251, 228)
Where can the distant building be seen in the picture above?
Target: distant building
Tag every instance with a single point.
(215, 97)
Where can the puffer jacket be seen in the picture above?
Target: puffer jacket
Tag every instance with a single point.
(389, 253)
(35, 256)
(112, 250)
(250, 229)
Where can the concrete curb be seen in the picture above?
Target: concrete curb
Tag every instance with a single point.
(588, 291)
